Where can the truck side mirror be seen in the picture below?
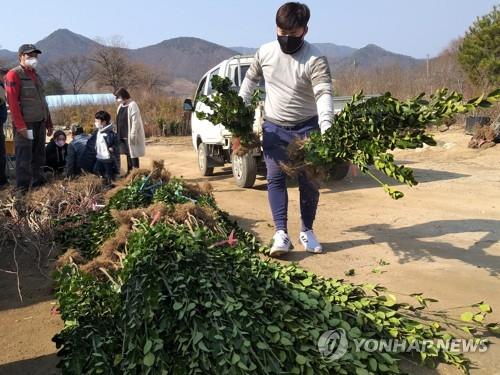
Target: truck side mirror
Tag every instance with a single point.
(188, 105)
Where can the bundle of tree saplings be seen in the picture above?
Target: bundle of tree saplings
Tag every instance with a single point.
(366, 130)
(175, 287)
(363, 133)
(226, 107)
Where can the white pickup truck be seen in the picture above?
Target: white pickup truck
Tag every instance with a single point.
(212, 142)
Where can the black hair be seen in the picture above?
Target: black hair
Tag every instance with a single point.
(57, 133)
(77, 129)
(292, 15)
(103, 116)
(122, 93)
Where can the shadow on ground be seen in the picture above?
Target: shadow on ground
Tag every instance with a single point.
(362, 181)
(349, 183)
(420, 242)
(35, 287)
(45, 365)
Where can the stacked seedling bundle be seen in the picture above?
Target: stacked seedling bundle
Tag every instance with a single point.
(160, 281)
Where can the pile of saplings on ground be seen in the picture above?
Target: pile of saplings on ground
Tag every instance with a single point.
(161, 281)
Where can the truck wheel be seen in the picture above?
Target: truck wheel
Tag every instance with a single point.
(203, 160)
(340, 171)
(244, 170)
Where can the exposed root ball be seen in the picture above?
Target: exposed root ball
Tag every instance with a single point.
(297, 165)
(206, 187)
(70, 256)
(135, 174)
(182, 213)
(244, 146)
(109, 251)
(158, 172)
(197, 190)
(94, 267)
(484, 137)
(126, 217)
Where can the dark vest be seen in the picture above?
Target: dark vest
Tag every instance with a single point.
(32, 99)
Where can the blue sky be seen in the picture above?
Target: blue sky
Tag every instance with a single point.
(415, 28)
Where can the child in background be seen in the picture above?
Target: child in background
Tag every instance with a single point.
(106, 147)
(56, 152)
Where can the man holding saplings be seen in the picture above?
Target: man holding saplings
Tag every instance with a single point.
(298, 101)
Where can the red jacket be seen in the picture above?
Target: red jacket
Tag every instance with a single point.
(13, 91)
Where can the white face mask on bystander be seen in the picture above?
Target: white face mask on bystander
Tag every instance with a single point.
(31, 62)
(97, 124)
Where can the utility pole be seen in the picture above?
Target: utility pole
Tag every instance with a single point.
(428, 77)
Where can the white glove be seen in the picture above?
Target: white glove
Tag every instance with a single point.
(324, 126)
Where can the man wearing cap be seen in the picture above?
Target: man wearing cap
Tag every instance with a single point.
(3, 119)
(30, 117)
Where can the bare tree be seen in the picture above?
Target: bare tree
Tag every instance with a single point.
(75, 72)
(150, 79)
(113, 69)
(117, 41)
(446, 71)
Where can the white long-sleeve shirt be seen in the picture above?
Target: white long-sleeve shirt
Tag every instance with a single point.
(298, 86)
(101, 146)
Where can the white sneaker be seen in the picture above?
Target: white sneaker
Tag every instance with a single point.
(310, 242)
(281, 244)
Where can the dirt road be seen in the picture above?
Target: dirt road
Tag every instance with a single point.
(442, 239)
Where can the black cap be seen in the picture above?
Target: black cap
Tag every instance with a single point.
(28, 48)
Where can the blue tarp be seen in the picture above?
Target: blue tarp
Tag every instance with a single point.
(58, 101)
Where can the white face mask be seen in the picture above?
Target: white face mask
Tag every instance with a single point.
(60, 143)
(31, 62)
(119, 100)
(97, 124)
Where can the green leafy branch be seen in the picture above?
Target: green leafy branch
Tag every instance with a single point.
(229, 109)
(367, 128)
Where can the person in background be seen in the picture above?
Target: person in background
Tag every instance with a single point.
(3, 119)
(106, 146)
(76, 151)
(298, 102)
(30, 117)
(188, 111)
(130, 129)
(56, 152)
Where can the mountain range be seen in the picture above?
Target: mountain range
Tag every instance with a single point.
(188, 58)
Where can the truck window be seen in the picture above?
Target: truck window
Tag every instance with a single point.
(244, 70)
(200, 90)
(214, 73)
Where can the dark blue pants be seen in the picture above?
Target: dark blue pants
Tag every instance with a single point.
(275, 142)
(30, 156)
(106, 169)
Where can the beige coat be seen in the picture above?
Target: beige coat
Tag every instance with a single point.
(136, 136)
